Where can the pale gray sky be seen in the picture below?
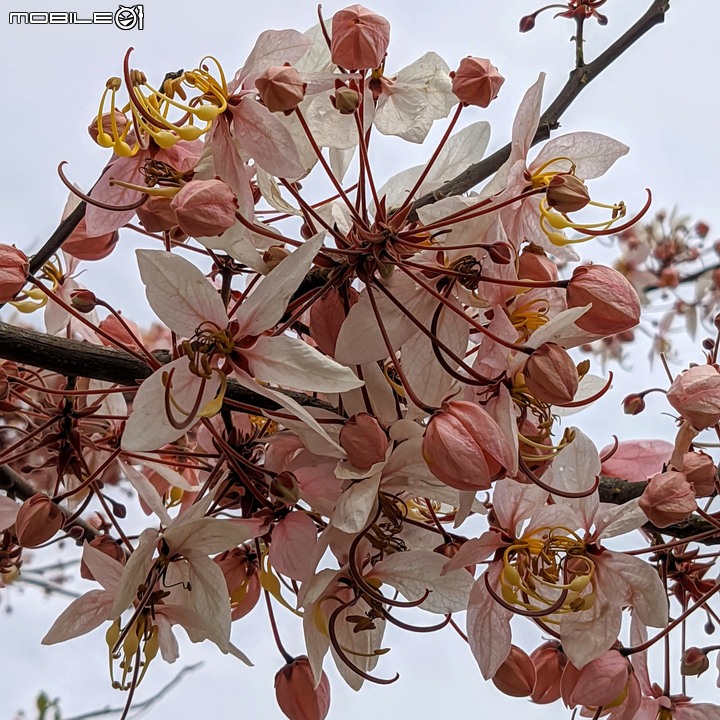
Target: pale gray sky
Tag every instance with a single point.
(662, 99)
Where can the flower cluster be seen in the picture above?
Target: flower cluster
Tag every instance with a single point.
(340, 381)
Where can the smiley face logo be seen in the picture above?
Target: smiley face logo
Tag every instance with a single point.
(129, 17)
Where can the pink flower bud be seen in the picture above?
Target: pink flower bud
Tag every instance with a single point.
(157, 215)
(105, 544)
(296, 693)
(601, 682)
(695, 394)
(205, 208)
(327, 316)
(534, 264)
(694, 662)
(364, 441)
(239, 566)
(476, 81)
(360, 38)
(464, 447)
(701, 229)
(551, 375)
(669, 277)
(700, 471)
(614, 303)
(516, 676)
(527, 23)
(567, 193)
(280, 88)
(549, 661)
(14, 268)
(82, 247)
(38, 519)
(668, 499)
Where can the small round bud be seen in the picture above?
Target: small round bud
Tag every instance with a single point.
(516, 677)
(694, 662)
(83, 300)
(205, 208)
(345, 100)
(296, 693)
(360, 38)
(633, 404)
(364, 441)
(551, 375)
(38, 519)
(476, 81)
(280, 88)
(527, 23)
(566, 193)
(14, 267)
(668, 499)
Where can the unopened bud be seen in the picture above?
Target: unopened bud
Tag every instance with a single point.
(567, 193)
(284, 488)
(296, 693)
(346, 100)
(668, 499)
(551, 375)
(360, 38)
(516, 676)
(83, 301)
(633, 404)
(105, 544)
(364, 441)
(38, 519)
(280, 88)
(274, 255)
(476, 82)
(694, 662)
(527, 23)
(500, 253)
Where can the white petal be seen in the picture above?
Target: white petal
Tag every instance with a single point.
(146, 490)
(593, 154)
(80, 616)
(264, 307)
(181, 296)
(292, 363)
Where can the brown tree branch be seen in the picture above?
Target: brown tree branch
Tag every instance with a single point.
(579, 79)
(82, 359)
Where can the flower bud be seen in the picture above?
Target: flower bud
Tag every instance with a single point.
(567, 193)
(14, 267)
(280, 88)
(615, 306)
(602, 681)
(296, 693)
(700, 471)
(634, 404)
(668, 499)
(82, 247)
(476, 81)
(284, 487)
(669, 277)
(701, 229)
(360, 38)
(695, 394)
(364, 441)
(157, 215)
(516, 676)
(527, 23)
(464, 447)
(534, 264)
(105, 544)
(551, 375)
(38, 519)
(274, 255)
(549, 661)
(694, 662)
(83, 300)
(205, 208)
(500, 253)
(239, 566)
(345, 100)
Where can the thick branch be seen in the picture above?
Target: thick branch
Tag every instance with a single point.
(81, 359)
(550, 119)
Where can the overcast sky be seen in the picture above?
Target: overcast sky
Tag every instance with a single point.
(661, 99)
